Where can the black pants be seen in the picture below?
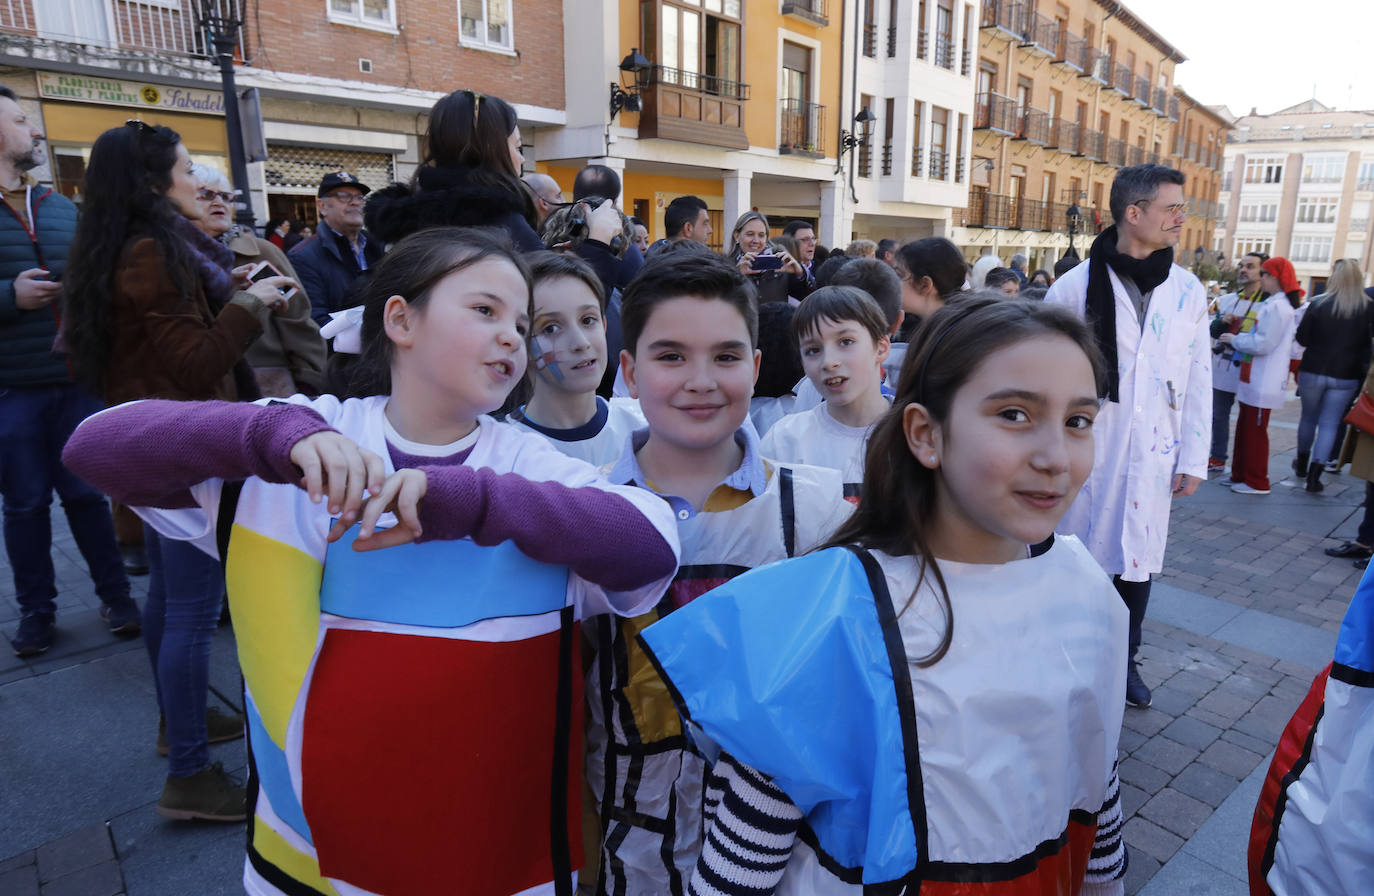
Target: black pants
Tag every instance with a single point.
(1136, 596)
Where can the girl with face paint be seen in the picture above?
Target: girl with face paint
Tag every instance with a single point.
(567, 352)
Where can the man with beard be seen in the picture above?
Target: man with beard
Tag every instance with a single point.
(40, 406)
(1236, 313)
(1149, 317)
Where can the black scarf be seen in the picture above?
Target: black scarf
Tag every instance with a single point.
(1100, 305)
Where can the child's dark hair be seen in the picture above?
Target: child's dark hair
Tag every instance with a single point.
(997, 276)
(411, 269)
(685, 274)
(940, 260)
(876, 278)
(837, 304)
(825, 272)
(558, 265)
(898, 497)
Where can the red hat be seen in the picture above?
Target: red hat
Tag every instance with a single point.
(1282, 271)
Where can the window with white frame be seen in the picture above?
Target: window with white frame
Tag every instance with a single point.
(1323, 169)
(1264, 170)
(1246, 247)
(1311, 249)
(1252, 212)
(1317, 209)
(485, 23)
(1366, 179)
(368, 13)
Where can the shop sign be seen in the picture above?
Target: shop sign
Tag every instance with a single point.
(108, 91)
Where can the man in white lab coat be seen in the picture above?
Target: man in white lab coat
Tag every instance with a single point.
(1150, 319)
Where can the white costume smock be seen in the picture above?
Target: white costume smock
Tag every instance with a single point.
(1162, 425)
(600, 440)
(816, 437)
(1269, 346)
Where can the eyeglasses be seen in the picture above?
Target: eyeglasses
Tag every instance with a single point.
(1178, 208)
(208, 195)
(345, 197)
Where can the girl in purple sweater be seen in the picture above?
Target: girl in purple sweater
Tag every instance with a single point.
(413, 712)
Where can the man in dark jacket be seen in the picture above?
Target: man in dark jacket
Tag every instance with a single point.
(340, 251)
(40, 406)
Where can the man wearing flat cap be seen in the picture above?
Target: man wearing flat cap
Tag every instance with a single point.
(340, 252)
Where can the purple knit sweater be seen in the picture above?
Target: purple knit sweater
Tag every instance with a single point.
(150, 453)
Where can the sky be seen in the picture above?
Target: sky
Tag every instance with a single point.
(1269, 55)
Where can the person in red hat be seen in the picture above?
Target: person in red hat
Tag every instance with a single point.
(1264, 352)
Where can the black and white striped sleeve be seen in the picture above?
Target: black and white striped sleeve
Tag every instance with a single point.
(1108, 860)
(749, 835)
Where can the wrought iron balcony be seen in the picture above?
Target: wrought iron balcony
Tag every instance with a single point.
(944, 52)
(939, 164)
(1095, 65)
(167, 27)
(917, 158)
(1034, 126)
(1142, 90)
(992, 111)
(1173, 108)
(1040, 34)
(1092, 144)
(1064, 136)
(802, 126)
(922, 44)
(1005, 16)
(1121, 78)
(1116, 152)
(1069, 49)
(1135, 155)
(870, 39)
(887, 157)
(813, 11)
(1159, 100)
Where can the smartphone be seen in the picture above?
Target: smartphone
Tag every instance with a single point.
(264, 269)
(767, 262)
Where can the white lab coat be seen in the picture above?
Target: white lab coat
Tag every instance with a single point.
(1161, 427)
(1271, 344)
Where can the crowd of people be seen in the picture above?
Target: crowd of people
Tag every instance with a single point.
(561, 560)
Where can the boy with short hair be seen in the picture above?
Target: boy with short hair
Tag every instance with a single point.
(691, 327)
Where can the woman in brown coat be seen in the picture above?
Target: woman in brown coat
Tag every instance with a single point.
(152, 310)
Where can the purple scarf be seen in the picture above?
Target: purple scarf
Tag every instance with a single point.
(213, 261)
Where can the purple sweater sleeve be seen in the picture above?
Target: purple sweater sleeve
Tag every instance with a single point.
(598, 534)
(149, 453)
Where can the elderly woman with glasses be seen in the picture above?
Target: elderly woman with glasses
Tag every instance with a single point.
(152, 309)
(289, 357)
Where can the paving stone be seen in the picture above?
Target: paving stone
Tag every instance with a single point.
(1142, 867)
(1227, 704)
(1205, 784)
(1171, 702)
(1130, 740)
(1190, 683)
(1144, 776)
(1148, 722)
(1176, 812)
(1230, 759)
(1151, 839)
(1210, 718)
(1295, 669)
(97, 880)
(1268, 718)
(20, 881)
(1132, 798)
(1165, 754)
(1241, 739)
(88, 846)
(1244, 686)
(1191, 732)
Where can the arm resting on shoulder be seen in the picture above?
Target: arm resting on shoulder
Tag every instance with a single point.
(149, 453)
(600, 535)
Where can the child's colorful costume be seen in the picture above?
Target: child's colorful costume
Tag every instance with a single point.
(1313, 830)
(989, 772)
(647, 778)
(410, 710)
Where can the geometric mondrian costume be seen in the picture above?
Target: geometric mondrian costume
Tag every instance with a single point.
(989, 772)
(1313, 830)
(410, 709)
(646, 776)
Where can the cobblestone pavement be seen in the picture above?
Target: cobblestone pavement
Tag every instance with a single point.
(1243, 616)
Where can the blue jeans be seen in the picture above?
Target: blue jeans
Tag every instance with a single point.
(1221, 422)
(1325, 401)
(185, 587)
(35, 423)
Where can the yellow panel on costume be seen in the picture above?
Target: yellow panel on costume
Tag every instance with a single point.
(274, 595)
(656, 716)
(272, 847)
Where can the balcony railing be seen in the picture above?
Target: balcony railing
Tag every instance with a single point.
(1034, 127)
(939, 164)
(1064, 136)
(1004, 15)
(1159, 100)
(917, 159)
(866, 158)
(1135, 155)
(1121, 78)
(966, 62)
(1173, 108)
(995, 112)
(1142, 90)
(693, 107)
(959, 169)
(1095, 65)
(802, 126)
(922, 44)
(892, 42)
(870, 39)
(170, 27)
(887, 157)
(1039, 33)
(1092, 144)
(814, 11)
(944, 52)
(986, 210)
(1069, 50)
(1116, 152)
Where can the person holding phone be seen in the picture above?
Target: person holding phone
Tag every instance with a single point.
(776, 274)
(289, 357)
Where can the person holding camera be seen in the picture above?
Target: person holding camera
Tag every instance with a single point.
(1235, 311)
(775, 273)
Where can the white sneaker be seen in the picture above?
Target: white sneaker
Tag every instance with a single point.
(1241, 488)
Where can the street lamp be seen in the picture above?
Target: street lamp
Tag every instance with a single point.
(1075, 219)
(221, 21)
(637, 67)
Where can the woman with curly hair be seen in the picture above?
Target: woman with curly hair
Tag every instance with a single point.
(152, 310)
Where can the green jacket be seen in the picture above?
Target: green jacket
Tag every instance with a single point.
(26, 337)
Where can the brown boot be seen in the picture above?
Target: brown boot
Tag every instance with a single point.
(210, 795)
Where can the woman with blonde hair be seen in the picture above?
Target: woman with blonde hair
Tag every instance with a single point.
(774, 271)
(1337, 332)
